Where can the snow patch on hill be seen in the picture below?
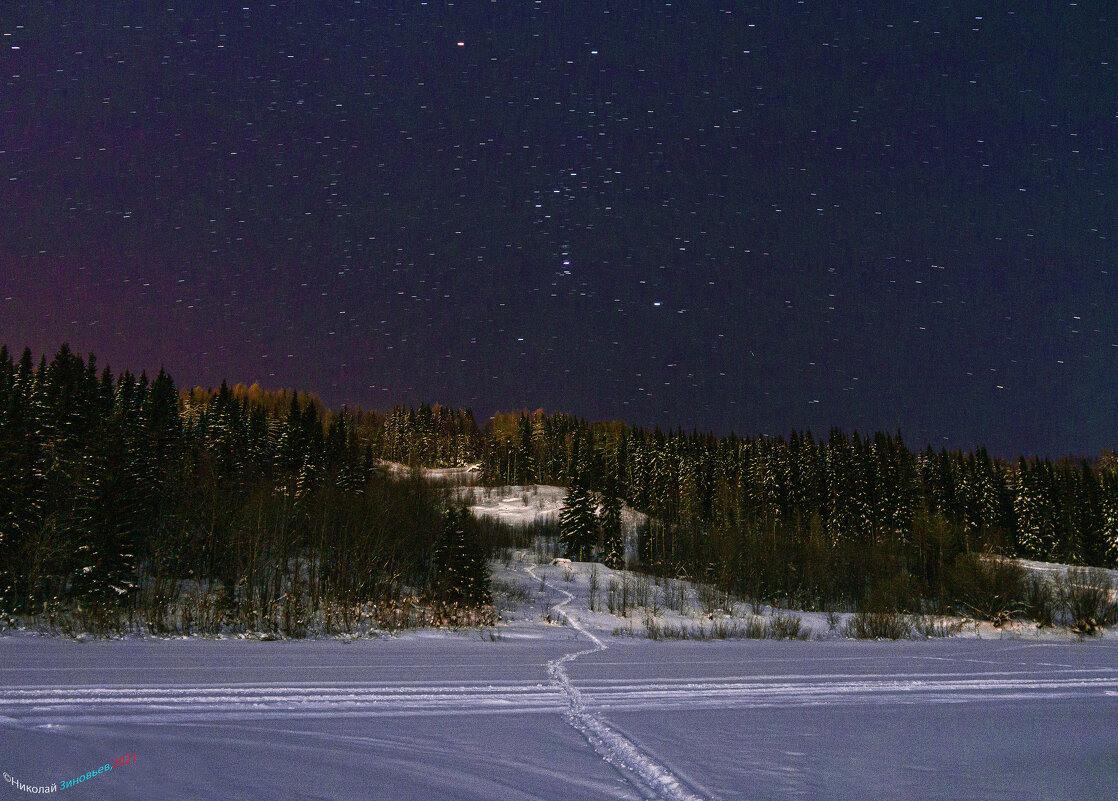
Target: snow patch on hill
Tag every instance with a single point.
(519, 505)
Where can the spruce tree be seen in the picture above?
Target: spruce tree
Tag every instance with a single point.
(460, 570)
(1109, 508)
(525, 461)
(1033, 508)
(613, 536)
(578, 522)
(22, 483)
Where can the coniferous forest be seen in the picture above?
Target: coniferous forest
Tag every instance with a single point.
(127, 503)
(845, 522)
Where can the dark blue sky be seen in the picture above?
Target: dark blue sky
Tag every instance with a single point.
(747, 217)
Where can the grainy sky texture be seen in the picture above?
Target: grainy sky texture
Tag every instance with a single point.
(754, 217)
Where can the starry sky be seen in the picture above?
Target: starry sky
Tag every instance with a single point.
(748, 217)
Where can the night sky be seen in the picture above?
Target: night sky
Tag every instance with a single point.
(736, 217)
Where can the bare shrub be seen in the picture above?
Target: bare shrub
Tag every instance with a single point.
(726, 630)
(755, 628)
(212, 608)
(410, 613)
(1040, 602)
(720, 630)
(709, 598)
(619, 595)
(675, 596)
(513, 590)
(1087, 598)
(988, 588)
(625, 630)
(928, 626)
(642, 590)
(787, 627)
(898, 592)
(878, 626)
(832, 620)
(593, 582)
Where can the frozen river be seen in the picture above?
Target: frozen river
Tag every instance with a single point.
(432, 716)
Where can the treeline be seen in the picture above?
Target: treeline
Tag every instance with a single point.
(422, 437)
(125, 504)
(847, 520)
(121, 496)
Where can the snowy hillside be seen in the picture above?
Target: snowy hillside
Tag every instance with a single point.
(679, 609)
(522, 505)
(454, 476)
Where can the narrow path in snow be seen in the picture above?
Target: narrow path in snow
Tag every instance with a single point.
(648, 775)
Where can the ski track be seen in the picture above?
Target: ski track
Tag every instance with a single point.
(636, 765)
(35, 705)
(947, 680)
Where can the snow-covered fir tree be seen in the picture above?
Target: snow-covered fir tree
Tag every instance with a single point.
(460, 571)
(613, 535)
(578, 522)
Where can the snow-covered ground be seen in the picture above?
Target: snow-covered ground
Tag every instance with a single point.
(523, 505)
(467, 474)
(517, 506)
(520, 506)
(560, 710)
(1054, 570)
(568, 699)
(631, 605)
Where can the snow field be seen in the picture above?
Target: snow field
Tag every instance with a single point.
(548, 712)
(520, 505)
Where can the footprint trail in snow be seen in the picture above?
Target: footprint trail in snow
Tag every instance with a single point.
(652, 778)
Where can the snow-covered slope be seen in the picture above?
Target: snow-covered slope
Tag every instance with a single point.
(523, 505)
(674, 609)
(467, 474)
(1055, 570)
